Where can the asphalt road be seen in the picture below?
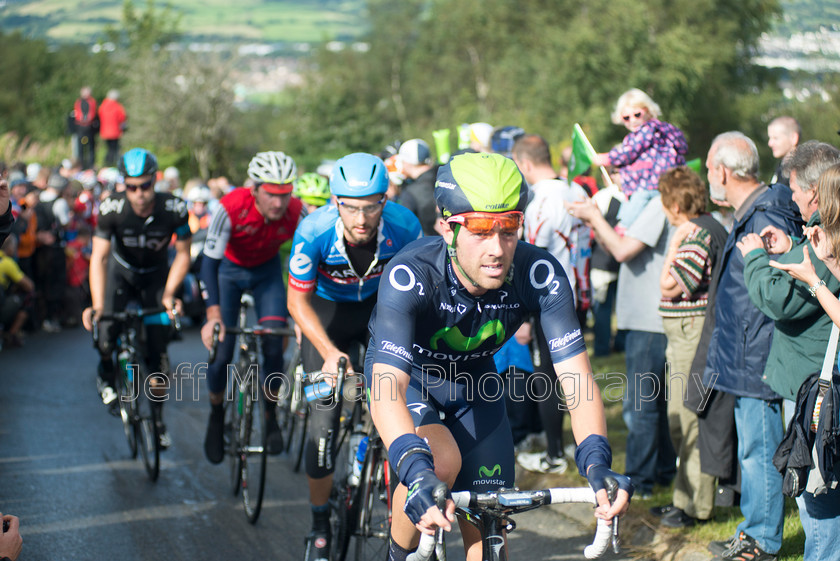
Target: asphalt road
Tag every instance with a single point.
(66, 471)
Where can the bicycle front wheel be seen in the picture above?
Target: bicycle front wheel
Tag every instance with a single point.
(345, 517)
(127, 400)
(233, 414)
(253, 451)
(299, 413)
(148, 439)
(374, 505)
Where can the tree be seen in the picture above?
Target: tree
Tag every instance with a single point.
(539, 64)
(178, 102)
(41, 82)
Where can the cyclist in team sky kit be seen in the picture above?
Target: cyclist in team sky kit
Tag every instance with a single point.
(338, 255)
(241, 253)
(129, 261)
(445, 306)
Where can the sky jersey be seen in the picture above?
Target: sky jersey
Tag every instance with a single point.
(319, 258)
(424, 315)
(140, 244)
(241, 234)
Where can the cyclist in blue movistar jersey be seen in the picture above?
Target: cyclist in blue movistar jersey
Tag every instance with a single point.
(445, 306)
(338, 255)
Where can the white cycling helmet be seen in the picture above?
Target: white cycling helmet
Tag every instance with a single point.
(272, 167)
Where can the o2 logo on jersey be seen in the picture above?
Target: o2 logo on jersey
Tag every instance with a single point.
(300, 263)
(536, 273)
(402, 278)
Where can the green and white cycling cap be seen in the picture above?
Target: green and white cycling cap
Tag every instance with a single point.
(480, 182)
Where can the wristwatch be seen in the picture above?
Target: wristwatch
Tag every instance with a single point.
(813, 289)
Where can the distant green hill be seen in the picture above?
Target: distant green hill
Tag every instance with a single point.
(263, 21)
(276, 21)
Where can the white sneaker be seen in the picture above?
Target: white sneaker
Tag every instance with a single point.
(534, 441)
(50, 326)
(540, 462)
(163, 437)
(106, 392)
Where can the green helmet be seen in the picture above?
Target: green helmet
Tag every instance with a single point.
(312, 188)
(480, 182)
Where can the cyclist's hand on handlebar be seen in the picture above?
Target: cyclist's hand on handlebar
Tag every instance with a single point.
(207, 332)
(331, 362)
(87, 317)
(598, 476)
(173, 305)
(420, 505)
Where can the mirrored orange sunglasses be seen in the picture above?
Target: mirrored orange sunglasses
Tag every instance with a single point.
(483, 223)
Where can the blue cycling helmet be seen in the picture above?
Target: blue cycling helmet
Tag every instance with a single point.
(504, 138)
(359, 175)
(137, 162)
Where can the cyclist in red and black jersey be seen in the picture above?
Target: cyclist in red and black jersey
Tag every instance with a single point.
(241, 253)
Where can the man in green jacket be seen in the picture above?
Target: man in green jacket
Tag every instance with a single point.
(802, 328)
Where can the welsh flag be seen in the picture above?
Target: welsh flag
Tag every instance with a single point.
(582, 153)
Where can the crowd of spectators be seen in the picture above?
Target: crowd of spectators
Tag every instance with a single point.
(699, 297)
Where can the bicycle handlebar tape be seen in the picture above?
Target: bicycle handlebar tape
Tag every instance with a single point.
(409, 454)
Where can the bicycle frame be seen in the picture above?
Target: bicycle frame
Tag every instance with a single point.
(244, 418)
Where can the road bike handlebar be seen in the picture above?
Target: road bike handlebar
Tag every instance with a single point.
(151, 316)
(512, 501)
(257, 330)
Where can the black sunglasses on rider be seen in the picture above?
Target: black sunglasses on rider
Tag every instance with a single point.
(142, 186)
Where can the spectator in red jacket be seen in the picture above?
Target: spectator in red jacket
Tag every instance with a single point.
(111, 126)
(84, 117)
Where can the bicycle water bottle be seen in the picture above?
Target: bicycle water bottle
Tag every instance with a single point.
(361, 450)
(161, 318)
(354, 444)
(318, 390)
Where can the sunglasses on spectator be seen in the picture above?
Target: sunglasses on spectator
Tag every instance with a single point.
(483, 223)
(637, 115)
(367, 210)
(142, 186)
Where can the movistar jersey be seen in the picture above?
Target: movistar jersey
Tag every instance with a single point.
(320, 262)
(425, 316)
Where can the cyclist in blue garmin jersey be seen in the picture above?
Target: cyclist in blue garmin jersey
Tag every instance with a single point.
(445, 306)
(338, 255)
(130, 261)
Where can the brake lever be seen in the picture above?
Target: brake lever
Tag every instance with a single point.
(612, 493)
